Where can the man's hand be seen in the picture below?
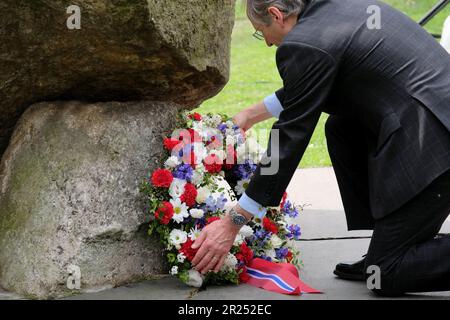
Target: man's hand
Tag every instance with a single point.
(247, 118)
(243, 120)
(215, 242)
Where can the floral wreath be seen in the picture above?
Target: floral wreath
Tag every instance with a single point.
(210, 162)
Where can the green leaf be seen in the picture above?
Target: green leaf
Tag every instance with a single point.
(171, 257)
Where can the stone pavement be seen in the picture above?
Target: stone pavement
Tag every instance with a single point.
(326, 242)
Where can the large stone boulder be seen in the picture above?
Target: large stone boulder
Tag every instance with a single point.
(125, 50)
(69, 196)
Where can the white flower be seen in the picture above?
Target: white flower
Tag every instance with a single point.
(177, 238)
(229, 263)
(197, 213)
(230, 139)
(238, 240)
(202, 194)
(257, 222)
(271, 253)
(180, 210)
(172, 162)
(194, 234)
(229, 123)
(174, 270)
(181, 257)
(215, 120)
(242, 185)
(275, 241)
(197, 178)
(176, 188)
(287, 221)
(254, 146)
(246, 231)
(219, 154)
(250, 150)
(195, 279)
(242, 153)
(200, 151)
(200, 168)
(199, 126)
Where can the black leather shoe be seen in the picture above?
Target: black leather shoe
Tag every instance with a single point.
(351, 271)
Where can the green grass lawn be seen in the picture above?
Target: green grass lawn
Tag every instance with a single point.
(254, 75)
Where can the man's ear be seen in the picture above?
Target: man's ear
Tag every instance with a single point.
(276, 14)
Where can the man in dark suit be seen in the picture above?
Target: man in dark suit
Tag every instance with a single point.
(387, 90)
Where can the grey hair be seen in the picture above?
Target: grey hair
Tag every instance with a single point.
(257, 9)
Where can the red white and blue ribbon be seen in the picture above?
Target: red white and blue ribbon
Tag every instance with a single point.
(276, 277)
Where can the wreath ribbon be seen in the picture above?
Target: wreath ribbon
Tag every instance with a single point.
(276, 277)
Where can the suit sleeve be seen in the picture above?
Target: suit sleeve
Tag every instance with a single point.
(280, 95)
(308, 75)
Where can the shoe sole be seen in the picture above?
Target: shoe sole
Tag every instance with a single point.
(350, 276)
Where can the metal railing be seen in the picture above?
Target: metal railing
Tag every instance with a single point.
(432, 13)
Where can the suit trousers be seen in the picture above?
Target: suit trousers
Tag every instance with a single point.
(348, 148)
(404, 244)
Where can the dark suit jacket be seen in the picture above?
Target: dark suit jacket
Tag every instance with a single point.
(395, 82)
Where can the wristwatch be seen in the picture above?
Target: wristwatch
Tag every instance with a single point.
(238, 219)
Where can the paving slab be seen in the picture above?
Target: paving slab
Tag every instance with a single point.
(317, 188)
(326, 224)
(321, 224)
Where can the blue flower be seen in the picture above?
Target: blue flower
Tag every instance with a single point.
(221, 201)
(260, 238)
(245, 170)
(184, 172)
(201, 222)
(222, 127)
(281, 253)
(260, 234)
(240, 139)
(294, 232)
(213, 205)
(290, 210)
(263, 256)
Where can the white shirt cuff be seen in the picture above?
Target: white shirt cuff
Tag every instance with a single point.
(250, 205)
(273, 105)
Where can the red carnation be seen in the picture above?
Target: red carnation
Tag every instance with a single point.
(170, 144)
(211, 220)
(243, 275)
(245, 254)
(186, 249)
(196, 116)
(162, 178)
(270, 226)
(289, 256)
(164, 212)
(213, 164)
(283, 201)
(231, 157)
(189, 195)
